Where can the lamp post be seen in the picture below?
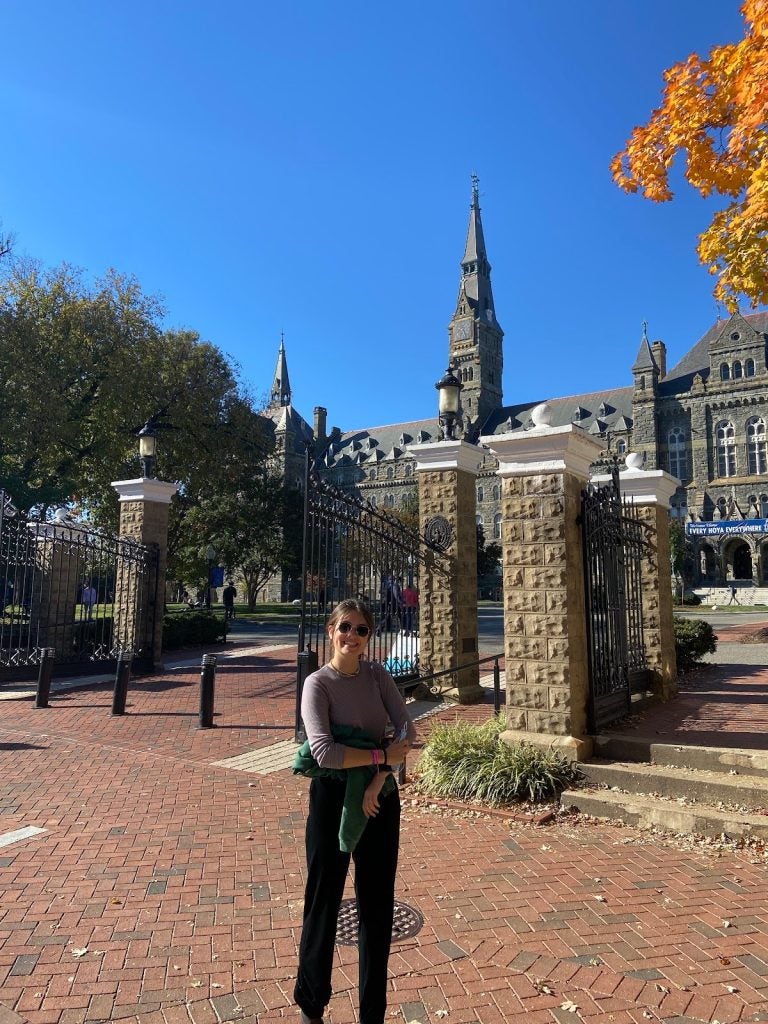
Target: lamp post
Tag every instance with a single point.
(210, 557)
(148, 448)
(449, 387)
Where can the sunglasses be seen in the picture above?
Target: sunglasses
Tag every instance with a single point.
(346, 627)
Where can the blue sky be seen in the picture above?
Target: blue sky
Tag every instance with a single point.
(305, 167)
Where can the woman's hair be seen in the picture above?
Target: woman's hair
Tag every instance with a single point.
(343, 608)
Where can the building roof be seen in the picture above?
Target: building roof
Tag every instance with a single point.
(596, 412)
(696, 359)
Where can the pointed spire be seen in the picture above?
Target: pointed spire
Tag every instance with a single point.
(475, 268)
(281, 386)
(645, 360)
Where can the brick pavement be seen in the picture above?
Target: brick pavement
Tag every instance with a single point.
(166, 889)
(719, 704)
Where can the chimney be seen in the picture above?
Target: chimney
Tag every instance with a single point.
(320, 415)
(659, 350)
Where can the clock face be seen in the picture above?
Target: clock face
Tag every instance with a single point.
(462, 330)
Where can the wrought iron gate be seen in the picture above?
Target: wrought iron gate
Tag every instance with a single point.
(352, 549)
(84, 593)
(615, 543)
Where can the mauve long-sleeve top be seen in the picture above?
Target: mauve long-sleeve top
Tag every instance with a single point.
(368, 701)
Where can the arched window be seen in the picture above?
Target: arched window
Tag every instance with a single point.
(621, 447)
(408, 469)
(374, 503)
(497, 526)
(749, 368)
(372, 474)
(725, 440)
(756, 455)
(471, 373)
(480, 494)
(496, 492)
(737, 370)
(722, 507)
(390, 472)
(764, 506)
(677, 443)
(725, 371)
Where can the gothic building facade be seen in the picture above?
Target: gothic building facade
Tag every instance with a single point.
(703, 420)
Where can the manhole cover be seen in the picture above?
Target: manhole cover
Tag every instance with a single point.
(406, 924)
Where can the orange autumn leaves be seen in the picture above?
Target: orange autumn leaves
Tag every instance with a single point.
(715, 112)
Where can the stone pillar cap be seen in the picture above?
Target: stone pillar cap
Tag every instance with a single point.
(145, 489)
(545, 449)
(643, 486)
(447, 455)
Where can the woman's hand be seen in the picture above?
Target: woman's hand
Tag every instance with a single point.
(397, 752)
(371, 795)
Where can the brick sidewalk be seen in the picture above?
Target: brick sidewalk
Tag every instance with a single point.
(167, 888)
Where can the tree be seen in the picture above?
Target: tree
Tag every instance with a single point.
(488, 555)
(252, 529)
(715, 112)
(83, 367)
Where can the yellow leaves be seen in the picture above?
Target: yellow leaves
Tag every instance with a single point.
(714, 114)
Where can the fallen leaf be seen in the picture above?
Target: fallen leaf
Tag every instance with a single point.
(727, 924)
(731, 989)
(79, 952)
(441, 1013)
(569, 1006)
(725, 961)
(600, 899)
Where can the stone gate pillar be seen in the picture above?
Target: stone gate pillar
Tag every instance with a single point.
(543, 472)
(144, 510)
(448, 600)
(650, 492)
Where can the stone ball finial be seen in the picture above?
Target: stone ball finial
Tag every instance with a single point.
(541, 415)
(634, 460)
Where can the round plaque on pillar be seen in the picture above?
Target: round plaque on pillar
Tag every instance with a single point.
(438, 533)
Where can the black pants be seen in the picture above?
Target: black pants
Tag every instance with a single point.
(375, 860)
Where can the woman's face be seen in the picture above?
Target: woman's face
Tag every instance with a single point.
(350, 642)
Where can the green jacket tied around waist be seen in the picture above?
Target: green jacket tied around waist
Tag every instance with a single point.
(353, 819)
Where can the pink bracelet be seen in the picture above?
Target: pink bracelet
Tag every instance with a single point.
(377, 757)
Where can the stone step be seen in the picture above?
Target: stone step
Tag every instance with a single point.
(641, 810)
(619, 747)
(706, 787)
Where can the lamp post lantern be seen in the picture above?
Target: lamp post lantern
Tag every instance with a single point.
(210, 557)
(449, 388)
(148, 448)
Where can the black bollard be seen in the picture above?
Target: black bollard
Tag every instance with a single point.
(47, 656)
(496, 688)
(306, 664)
(122, 677)
(207, 683)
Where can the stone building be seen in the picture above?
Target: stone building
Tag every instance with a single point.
(703, 420)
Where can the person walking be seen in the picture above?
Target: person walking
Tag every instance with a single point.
(228, 595)
(352, 699)
(733, 599)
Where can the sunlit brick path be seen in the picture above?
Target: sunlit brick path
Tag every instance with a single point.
(166, 888)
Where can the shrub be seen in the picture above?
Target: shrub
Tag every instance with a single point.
(193, 629)
(693, 639)
(691, 599)
(470, 762)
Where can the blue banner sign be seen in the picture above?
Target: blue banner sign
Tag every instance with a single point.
(722, 527)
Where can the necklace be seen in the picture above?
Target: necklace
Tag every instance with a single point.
(347, 675)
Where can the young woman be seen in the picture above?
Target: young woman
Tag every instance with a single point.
(352, 693)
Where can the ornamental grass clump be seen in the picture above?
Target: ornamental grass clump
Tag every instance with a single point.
(470, 762)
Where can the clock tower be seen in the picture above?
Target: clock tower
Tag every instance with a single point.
(475, 337)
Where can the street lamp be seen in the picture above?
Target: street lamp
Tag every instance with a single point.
(148, 448)
(449, 387)
(210, 557)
